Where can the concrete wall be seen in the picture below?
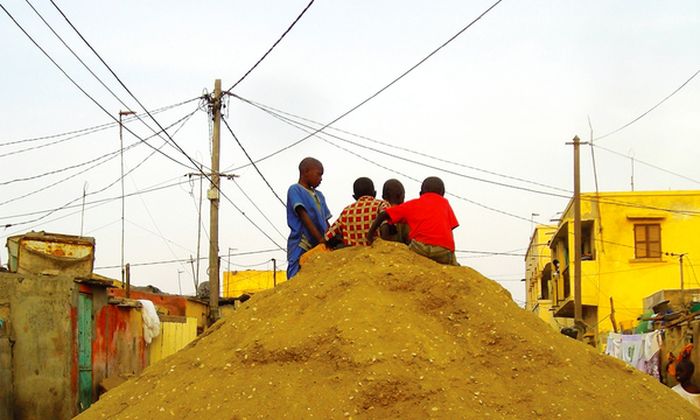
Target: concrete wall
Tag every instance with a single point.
(42, 314)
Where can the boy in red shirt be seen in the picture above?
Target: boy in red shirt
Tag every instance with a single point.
(430, 219)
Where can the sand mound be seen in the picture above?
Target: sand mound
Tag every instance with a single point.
(383, 333)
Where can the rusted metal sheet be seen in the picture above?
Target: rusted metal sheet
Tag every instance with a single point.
(172, 304)
(52, 254)
(118, 345)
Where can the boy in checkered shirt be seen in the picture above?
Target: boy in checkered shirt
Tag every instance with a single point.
(355, 220)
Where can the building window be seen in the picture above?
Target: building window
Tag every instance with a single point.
(647, 241)
(587, 248)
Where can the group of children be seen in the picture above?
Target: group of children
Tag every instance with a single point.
(425, 224)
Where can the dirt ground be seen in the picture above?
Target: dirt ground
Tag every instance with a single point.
(380, 332)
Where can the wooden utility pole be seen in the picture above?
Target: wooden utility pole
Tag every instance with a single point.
(274, 272)
(127, 270)
(121, 154)
(578, 309)
(213, 195)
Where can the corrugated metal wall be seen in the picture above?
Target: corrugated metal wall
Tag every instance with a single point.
(173, 336)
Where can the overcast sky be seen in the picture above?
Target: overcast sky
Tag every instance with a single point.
(500, 100)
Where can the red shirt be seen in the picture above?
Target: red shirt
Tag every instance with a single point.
(430, 218)
(356, 219)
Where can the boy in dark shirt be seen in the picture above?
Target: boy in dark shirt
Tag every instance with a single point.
(307, 213)
(394, 193)
(430, 219)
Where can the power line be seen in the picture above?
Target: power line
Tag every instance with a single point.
(76, 56)
(88, 68)
(378, 92)
(269, 50)
(264, 107)
(99, 160)
(77, 85)
(101, 200)
(648, 164)
(93, 192)
(476, 203)
(196, 165)
(595, 199)
(81, 133)
(95, 128)
(97, 203)
(253, 163)
(617, 130)
(262, 251)
(259, 209)
(437, 168)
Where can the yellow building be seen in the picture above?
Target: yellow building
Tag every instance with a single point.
(237, 283)
(538, 276)
(631, 247)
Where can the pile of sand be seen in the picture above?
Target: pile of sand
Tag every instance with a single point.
(383, 333)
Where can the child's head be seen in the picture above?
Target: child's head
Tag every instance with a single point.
(432, 184)
(684, 371)
(393, 192)
(310, 172)
(363, 186)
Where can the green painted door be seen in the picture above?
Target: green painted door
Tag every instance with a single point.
(84, 350)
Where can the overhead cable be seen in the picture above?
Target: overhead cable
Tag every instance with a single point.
(476, 203)
(79, 87)
(416, 162)
(174, 143)
(259, 209)
(95, 128)
(658, 168)
(137, 264)
(644, 114)
(99, 161)
(394, 146)
(253, 163)
(92, 192)
(378, 92)
(269, 50)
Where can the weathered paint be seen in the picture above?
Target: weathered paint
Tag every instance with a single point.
(6, 380)
(172, 304)
(50, 253)
(46, 357)
(42, 354)
(118, 346)
(85, 350)
(73, 310)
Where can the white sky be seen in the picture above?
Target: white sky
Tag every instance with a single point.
(504, 97)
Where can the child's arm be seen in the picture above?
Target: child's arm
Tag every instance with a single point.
(304, 216)
(383, 216)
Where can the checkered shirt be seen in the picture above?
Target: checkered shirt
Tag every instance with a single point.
(356, 219)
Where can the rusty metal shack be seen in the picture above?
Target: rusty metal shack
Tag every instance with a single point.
(60, 334)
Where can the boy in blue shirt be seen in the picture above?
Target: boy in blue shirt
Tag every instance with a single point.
(307, 213)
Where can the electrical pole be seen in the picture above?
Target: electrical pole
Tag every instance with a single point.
(578, 309)
(121, 154)
(274, 272)
(127, 268)
(213, 195)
